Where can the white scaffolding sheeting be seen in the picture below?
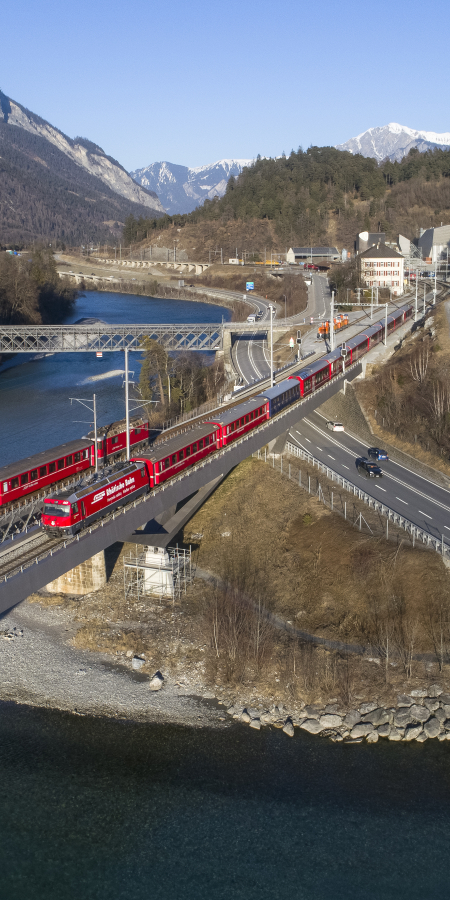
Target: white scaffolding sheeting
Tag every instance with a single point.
(157, 572)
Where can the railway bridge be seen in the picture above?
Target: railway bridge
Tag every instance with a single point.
(23, 572)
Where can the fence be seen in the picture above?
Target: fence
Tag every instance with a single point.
(416, 534)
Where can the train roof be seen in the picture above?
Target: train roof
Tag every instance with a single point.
(117, 427)
(312, 368)
(40, 459)
(276, 390)
(230, 415)
(73, 494)
(160, 451)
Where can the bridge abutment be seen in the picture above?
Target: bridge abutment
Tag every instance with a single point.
(83, 579)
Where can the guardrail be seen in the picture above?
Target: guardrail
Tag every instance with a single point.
(416, 533)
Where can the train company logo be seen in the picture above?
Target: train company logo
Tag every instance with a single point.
(98, 497)
(118, 487)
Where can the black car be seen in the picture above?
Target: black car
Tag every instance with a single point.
(376, 453)
(367, 468)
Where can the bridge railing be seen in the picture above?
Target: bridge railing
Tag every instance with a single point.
(417, 534)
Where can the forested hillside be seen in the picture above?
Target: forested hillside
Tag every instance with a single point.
(324, 196)
(31, 291)
(45, 196)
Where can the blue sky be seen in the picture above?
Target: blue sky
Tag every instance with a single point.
(195, 82)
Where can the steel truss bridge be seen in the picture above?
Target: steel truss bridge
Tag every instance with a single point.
(103, 338)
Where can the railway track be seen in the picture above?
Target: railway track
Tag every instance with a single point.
(15, 558)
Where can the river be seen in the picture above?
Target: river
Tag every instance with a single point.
(97, 809)
(35, 408)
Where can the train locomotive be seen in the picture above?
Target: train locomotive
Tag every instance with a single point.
(73, 510)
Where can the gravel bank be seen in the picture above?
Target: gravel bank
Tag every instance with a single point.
(38, 666)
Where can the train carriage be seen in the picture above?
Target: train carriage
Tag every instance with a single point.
(283, 394)
(234, 423)
(168, 459)
(313, 376)
(112, 439)
(73, 510)
(39, 472)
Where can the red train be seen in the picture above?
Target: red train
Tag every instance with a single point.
(71, 511)
(39, 472)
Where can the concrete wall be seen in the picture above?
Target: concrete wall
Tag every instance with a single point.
(83, 579)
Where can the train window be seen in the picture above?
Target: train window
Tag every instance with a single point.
(194, 448)
(115, 440)
(5, 487)
(69, 460)
(174, 459)
(52, 467)
(167, 462)
(33, 475)
(200, 445)
(85, 454)
(211, 438)
(77, 457)
(60, 463)
(188, 451)
(75, 509)
(24, 478)
(14, 483)
(42, 471)
(181, 455)
(143, 471)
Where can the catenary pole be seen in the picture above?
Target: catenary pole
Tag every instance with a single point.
(127, 407)
(95, 433)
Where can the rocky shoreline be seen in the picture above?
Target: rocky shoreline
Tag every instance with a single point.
(417, 716)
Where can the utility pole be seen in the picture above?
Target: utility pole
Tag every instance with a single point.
(332, 323)
(435, 285)
(371, 304)
(84, 402)
(271, 346)
(416, 300)
(127, 410)
(424, 299)
(284, 295)
(385, 324)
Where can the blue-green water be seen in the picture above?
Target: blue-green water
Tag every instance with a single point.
(100, 809)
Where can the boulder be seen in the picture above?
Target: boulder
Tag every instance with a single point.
(245, 717)
(330, 720)
(372, 737)
(445, 698)
(404, 700)
(442, 737)
(156, 682)
(361, 729)
(446, 724)
(231, 710)
(352, 718)
(137, 662)
(402, 718)
(446, 709)
(255, 723)
(441, 715)
(396, 734)
(422, 737)
(419, 713)
(311, 725)
(378, 716)
(289, 728)
(312, 712)
(432, 727)
(419, 692)
(431, 704)
(412, 732)
(384, 730)
(367, 708)
(435, 690)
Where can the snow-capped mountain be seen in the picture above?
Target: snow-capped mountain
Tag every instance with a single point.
(394, 141)
(81, 152)
(181, 189)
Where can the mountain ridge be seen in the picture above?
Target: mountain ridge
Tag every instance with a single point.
(182, 188)
(394, 141)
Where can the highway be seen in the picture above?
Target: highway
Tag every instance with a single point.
(423, 502)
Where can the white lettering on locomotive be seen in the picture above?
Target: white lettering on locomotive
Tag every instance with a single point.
(98, 497)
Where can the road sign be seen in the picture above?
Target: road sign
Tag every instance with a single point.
(99, 355)
(250, 286)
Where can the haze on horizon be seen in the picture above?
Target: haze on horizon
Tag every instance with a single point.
(195, 83)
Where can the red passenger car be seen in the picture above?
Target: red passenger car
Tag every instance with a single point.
(165, 460)
(234, 423)
(39, 472)
(313, 376)
(71, 511)
(112, 439)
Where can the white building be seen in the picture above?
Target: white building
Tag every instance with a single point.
(381, 266)
(435, 244)
(309, 254)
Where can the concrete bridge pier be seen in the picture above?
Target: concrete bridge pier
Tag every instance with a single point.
(277, 446)
(83, 579)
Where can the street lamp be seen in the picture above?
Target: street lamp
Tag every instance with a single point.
(284, 295)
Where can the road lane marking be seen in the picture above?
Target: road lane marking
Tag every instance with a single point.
(446, 526)
(331, 457)
(402, 501)
(345, 467)
(380, 488)
(424, 514)
(319, 448)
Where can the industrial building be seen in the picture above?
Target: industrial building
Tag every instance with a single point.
(381, 266)
(309, 254)
(434, 243)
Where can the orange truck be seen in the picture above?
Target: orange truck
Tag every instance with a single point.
(339, 322)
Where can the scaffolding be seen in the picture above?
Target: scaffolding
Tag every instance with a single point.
(157, 572)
